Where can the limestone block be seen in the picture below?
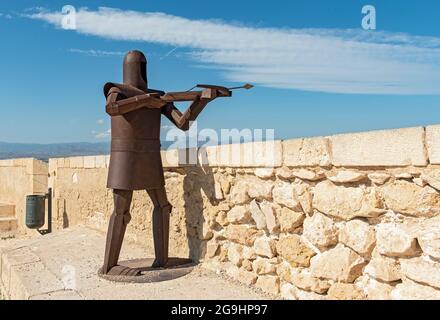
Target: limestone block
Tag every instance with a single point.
(384, 268)
(264, 266)
(401, 147)
(265, 173)
(283, 194)
(359, 236)
(347, 176)
(241, 234)
(347, 202)
(76, 162)
(320, 231)
(395, 240)
(306, 152)
(428, 237)
(305, 281)
(90, 162)
(269, 284)
(410, 290)
(307, 175)
(284, 271)
(239, 214)
(340, 264)
(235, 254)
(271, 219)
(422, 271)
(267, 154)
(433, 143)
(258, 215)
(287, 292)
(35, 167)
(407, 198)
(304, 196)
(265, 247)
(239, 193)
(260, 190)
(344, 291)
(101, 162)
(432, 178)
(294, 251)
(290, 220)
(379, 178)
(375, 290)
(284, 173)
(246, 277)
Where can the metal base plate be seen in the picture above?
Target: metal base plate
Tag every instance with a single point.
(175, 268)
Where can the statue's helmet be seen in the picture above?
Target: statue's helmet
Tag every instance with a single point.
(135, 70)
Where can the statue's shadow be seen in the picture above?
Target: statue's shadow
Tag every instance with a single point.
(175, 268)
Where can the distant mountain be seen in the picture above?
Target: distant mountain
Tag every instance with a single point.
(46, 151)
(58, 150)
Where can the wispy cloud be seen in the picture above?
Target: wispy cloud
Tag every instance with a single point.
(5, 16)
(97, 53)
(337, 61)
(102, 135)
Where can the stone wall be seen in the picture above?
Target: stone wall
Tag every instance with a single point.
(19, 178)
(353, 216)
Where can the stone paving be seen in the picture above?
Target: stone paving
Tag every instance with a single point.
(63, 266)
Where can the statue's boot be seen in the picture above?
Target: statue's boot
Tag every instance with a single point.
(115, 235)
(161, 226)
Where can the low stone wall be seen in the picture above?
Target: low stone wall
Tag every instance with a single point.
(19, 178)
(353, 216)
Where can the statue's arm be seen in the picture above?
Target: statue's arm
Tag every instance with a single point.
(116, 104)
(182, 121)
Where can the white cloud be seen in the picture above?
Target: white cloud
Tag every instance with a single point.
(337, 61)
(100, 121)
(102, 135)
(97, 53)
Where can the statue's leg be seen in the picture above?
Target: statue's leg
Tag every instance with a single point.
(116, 231)
(161, 225)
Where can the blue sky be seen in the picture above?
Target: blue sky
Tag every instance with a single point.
(316, 71)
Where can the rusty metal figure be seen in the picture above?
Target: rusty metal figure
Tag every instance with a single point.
(135, 162)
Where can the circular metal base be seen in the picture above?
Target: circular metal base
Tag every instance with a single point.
(175, 268)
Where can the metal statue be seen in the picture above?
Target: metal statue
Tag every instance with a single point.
(135, 161)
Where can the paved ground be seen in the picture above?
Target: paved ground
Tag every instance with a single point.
(64, 265)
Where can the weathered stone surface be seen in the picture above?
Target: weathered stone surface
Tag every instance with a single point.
(265, 173)
(259, 189)
(422, 271)
(269, 284)
(410, 290)
(384, 268)
(375, 290)
(308, 175)
(320, 231)
(239, 214)
(258, 215)
(249, 253)
(432, 143)
(344, 291)
(246, 277)
(407, 198)
(284, 271)
(306, 152)
(347, 202)
(304, 196)
(218, 192)
(264, 266)
(271, 219)
(284, 173)
(432, 177)
(379, 178)
(212, 249)
(283, 194)
(288, 292)
(290, 220)
(339, 264)
(265, 247)
(428, 237)
(294, 251)
(235, 254)
(402, 147)
(241, 234)
(359, 236)
(239, 193)
(222, 218)
(247, 265)
(305, 281)
(395, 240)
(347, 176)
